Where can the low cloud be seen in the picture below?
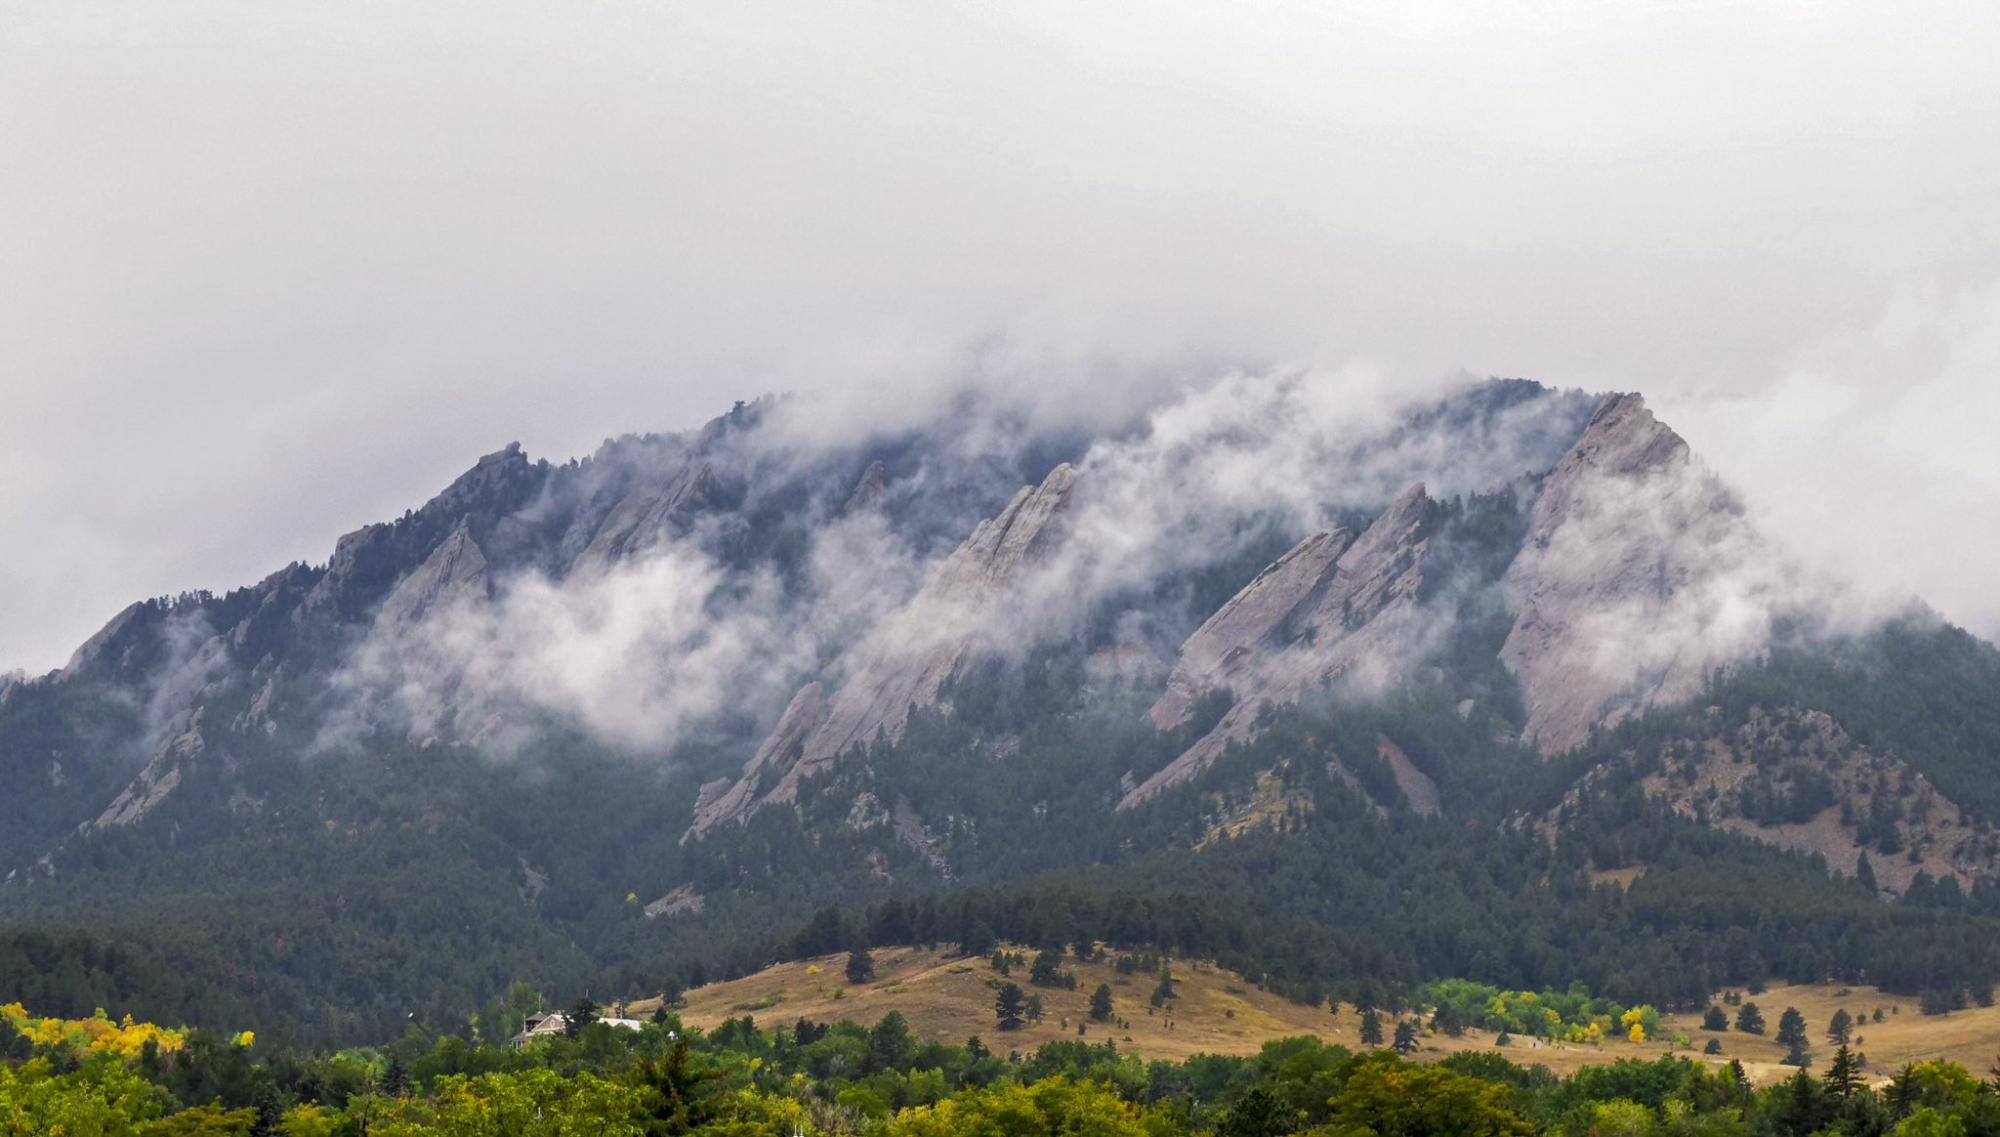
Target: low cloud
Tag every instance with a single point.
(1664, 577)
(642, 653)
(1304, 450)
(1870, 455)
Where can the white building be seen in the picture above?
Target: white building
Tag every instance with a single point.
(555, 1022)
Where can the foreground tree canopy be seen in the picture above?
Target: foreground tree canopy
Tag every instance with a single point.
(97, 1077)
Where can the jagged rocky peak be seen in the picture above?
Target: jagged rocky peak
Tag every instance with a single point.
(1333, 608)
(1631, 552)
(1000, 544)
(496, 476)
(909, 657)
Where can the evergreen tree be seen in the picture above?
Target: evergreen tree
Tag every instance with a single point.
(1100, 1003)
(1034, 1008)
(1749, 1019)
(395, 1079)
(1791, 1028)
(1047, 969)
(979, 940)
(581, 1014)
(1009, 1006)
(1864, 873)
(1165, 990)
(1406, 1036)
(890, 1046)
(1258, 1114)
(1840, 1027)
(1715, 1019)
(1844, 1075)
(1798, 1105)
(1796, 1055)
(1371, 1027)
(860, 966)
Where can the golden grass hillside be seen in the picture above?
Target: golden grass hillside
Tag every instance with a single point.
(1970, 1037)
(948, 998)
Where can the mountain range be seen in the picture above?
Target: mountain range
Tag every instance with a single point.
(1500, 682)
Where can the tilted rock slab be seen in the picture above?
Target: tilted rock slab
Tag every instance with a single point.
(1334, 607)
(906, 661)
(1637, 576)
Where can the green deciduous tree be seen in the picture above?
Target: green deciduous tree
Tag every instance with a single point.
(1388, 1097)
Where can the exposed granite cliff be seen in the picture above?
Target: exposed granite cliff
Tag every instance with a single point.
(1332, 608)
(455, 572)
(723, 799)
(1631, 581)
(904, 663)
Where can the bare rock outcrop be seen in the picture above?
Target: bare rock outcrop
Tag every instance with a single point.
(1331, 609)
(904, 663)
(1638, 575)
(778, 754)
(645, 515)
(102, 643)
(455, 572)
(159, 779)
(1418, 788)
(1267, 612)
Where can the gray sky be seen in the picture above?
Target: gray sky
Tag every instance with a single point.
(274, 271)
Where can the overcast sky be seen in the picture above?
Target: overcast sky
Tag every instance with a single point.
(271, 271)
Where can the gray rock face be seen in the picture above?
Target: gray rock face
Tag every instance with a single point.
(175, 723)
(489, 478)
(354, 554)
(96, 647)
(1332, 609)
(455, 572)
(1626, 586)
(159, 779)
(778, 754)
(904, 663)
(642, 517)
(1267, 613)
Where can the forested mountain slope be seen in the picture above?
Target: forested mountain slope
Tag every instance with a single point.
(1326, 690)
